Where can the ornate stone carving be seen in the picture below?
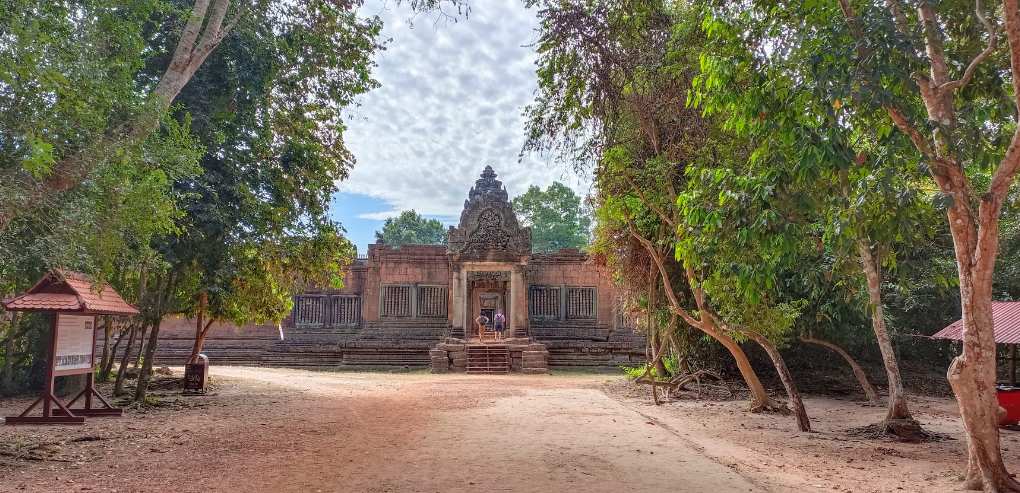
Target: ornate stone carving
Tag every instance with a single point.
(488, 276)
(488, 227)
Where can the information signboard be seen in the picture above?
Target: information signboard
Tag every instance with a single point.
(75, 344)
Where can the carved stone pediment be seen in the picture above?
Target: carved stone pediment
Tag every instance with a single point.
(488, 227)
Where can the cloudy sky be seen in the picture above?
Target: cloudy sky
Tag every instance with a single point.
(451, 101)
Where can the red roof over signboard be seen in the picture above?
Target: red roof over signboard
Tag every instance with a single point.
(70, 292)
(1005, 316)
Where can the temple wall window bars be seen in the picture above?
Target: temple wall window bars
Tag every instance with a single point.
(327, 310)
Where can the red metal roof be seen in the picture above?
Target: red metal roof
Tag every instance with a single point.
(66, 291)
(1005, 316)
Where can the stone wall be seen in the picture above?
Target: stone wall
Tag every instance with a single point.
(405, 265)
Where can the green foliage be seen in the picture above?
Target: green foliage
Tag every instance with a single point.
(411, 228)
(68, 72)
(555, 216)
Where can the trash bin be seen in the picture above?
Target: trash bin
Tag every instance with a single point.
(1009, 399)
(196, 375)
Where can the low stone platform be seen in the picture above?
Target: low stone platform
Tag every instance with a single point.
(526, 356)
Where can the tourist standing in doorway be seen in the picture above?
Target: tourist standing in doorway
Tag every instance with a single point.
(481, 322)
(499, 320)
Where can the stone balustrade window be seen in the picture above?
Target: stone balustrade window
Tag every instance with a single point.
(543, 302)
(396, 301)
(432, 302)
(327, 310)
(581, 303)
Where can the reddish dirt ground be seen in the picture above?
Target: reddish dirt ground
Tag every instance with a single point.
(292, 430)
(769, 449)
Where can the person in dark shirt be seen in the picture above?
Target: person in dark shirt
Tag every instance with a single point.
(481, 322)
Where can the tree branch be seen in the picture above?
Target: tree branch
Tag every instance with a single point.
(993, 43)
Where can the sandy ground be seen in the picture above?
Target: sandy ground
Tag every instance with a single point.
(769, 449)
(291, 430)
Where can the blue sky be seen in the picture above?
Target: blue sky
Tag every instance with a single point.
(450, 103)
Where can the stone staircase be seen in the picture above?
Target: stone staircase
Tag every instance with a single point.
(488, 358)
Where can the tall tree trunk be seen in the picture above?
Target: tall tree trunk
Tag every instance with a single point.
(803, 423)
(201, 327)
(150, 353)
(7, 371)
(141, 348)
(655, 339)
(118, 384)
(107, 330)
(862, 377)
(972, 375)
(107, 367)
(898, 420)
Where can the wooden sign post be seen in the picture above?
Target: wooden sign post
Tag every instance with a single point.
(73, 304)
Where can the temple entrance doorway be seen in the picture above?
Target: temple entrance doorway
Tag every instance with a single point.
(488, 294)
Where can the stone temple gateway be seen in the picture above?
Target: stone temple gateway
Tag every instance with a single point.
(415, 305)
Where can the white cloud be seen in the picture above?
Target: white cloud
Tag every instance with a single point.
(379, 216)
(450, 103)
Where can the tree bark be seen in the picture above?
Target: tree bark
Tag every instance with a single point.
(201, 328)
(141, 348)
(897, 407)
(106, 368)
(862, 377)
(150, 353)
(7, 372)
(118, 385)
(107, 329)
(803, 423)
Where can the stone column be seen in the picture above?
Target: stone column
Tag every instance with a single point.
(518, 301)
(456, 319)
(465, 293)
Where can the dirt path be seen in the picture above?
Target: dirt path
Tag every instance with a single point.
(292, 430)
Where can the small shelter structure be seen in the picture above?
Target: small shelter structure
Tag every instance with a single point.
(1006, 321)
(74, 302)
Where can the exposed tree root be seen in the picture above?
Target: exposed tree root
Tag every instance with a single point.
(904, 430)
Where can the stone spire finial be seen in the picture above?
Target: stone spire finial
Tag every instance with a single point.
(488, 186)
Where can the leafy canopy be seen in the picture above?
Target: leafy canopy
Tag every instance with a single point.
(556, 217)
(411, 228)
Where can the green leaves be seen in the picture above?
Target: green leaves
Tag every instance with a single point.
(556, 217)
(411, 228)
(40, 157)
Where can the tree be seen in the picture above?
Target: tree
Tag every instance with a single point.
(411, 228)
(943, 80)
(555, 216)
(268, 109)
(613, 81)
(845, 189)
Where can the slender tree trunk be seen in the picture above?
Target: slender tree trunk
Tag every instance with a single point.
(760, 399)
(150, 353)
(107, 330)
(141, 350)
(897, 419)
(104, 371)
(803, 423)
(862, 377)
(654, 338)
(7, 371)
(118, 385)
(202, 327)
